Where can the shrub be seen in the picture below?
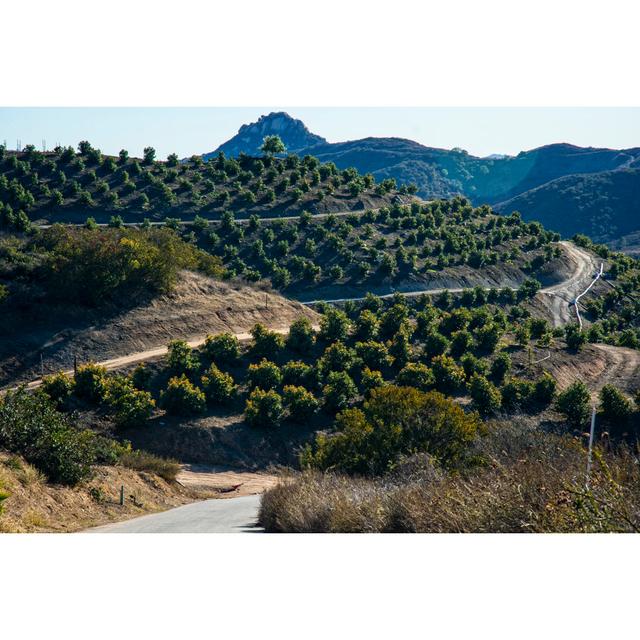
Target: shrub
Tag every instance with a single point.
(614, 406)
(181, 358)
(263, 408)
(132, 407)
(574, 403)
(58, 387)
(90, 382)
(265, 375)
(31, 426)
(392, 422)
(416, 375)
(223, 349)
(447, 375)
(301, 336)
(266, 344)
(218, 386)
(339, 391)
(182, 398)
(485, 396)
(301, 403)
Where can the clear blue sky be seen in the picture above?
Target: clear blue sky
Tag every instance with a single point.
(186, 131)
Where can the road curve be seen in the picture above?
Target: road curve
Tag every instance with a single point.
(561, 296)
(232, 515)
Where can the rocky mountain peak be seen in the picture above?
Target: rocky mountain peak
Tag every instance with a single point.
(292, 131)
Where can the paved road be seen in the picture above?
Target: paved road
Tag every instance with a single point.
(232, 515)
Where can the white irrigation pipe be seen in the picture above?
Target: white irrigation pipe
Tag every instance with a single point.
(542, 359)
(575, 302)
(591, 434)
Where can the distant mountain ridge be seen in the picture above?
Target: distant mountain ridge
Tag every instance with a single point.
(444, 173)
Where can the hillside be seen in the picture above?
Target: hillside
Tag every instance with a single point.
(508, 180)
(69, 186)
(405, 248)
(605, 206)
(438, 173)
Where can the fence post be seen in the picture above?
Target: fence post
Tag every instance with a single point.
(122, 495)
(75, 365)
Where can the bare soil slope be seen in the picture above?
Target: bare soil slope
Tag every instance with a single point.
(198, 306)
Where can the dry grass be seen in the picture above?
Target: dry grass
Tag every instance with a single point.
(34, 505)
(531, 482)
(143, 461)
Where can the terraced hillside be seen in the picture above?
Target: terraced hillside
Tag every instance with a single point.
(69, 186)
(441, 244)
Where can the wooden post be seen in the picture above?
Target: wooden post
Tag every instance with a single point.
(122, 495)
(75, 365)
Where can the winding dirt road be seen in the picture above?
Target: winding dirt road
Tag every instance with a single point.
(559, 298)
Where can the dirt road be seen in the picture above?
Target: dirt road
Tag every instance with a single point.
(558, 297)
(557, 300)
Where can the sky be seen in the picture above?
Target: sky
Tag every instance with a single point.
(480, 130)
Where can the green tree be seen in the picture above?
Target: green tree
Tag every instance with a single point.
(485, 396)
(574, 403)
(395, 421)
(574, 337)
(301, 336)
(300, 403)
(448, 376)
(222, 348)
(339, 391)
(614, 406)
(149, 155)
(263, 408)
(181, 358)
(373, 354)
(219, 387)
(90, 382)
(272, 145)
(266, 343)
(265, 375)
(182, 397)
(32, 427)
(58, 387)
(132, 407)
(334, 325)
(416, 375)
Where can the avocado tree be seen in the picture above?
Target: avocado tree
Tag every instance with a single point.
(272, 145)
